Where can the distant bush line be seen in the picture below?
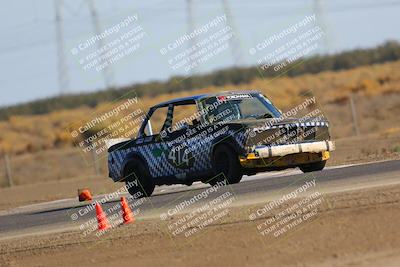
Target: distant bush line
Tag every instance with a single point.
(389, 51)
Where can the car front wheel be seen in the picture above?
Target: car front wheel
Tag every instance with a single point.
(226, 165)
(138, 180)
(313, 167)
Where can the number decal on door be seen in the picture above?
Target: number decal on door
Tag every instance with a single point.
(181, 157)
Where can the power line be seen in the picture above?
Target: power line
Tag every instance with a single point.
(275, 14)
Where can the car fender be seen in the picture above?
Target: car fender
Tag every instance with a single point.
(226, 139)
(133, 156)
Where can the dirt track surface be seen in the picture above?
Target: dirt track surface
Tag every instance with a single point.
(347, 152)
(351, 228)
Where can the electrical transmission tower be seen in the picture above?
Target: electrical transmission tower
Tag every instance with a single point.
(234, 41)
(319, 13)
(107, 71)
(63, 80)
(192, 41)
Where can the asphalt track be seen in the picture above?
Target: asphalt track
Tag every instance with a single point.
(70, 213)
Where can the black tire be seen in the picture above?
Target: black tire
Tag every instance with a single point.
(136, 170)
(226, 162)
(313, 167)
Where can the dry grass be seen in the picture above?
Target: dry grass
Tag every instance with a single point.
(22, 134)
(42, 148)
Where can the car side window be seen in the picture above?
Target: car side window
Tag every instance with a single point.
(156, 121)
(248, 108)
(184, 116)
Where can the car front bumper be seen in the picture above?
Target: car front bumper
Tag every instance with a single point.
(288, 155)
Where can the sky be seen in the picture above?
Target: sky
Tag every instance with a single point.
(29, 53)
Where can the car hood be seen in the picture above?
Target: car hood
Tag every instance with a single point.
(271, 122)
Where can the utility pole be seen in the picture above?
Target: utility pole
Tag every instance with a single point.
(107, 71)
(63, 80)
(234, 41)
(8, 170)
(354, 115)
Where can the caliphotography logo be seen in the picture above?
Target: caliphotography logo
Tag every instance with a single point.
(192, 133)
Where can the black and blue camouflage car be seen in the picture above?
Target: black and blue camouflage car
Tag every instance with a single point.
(217, 137)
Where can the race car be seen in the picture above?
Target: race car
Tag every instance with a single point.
(216, 138)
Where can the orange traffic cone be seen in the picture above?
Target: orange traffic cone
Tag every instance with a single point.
(126, 211)
(101, 218)
(84, 195)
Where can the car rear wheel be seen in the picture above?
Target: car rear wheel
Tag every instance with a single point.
(312, 167)
(226, 165)
(138, 180)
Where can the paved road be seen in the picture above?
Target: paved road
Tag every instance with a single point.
(264, 186)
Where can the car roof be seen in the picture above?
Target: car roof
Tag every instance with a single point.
(190, 99)
(182, 100)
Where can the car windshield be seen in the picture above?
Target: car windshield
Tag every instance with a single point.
(239, 106)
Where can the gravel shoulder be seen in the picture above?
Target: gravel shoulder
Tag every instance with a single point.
(351, 228)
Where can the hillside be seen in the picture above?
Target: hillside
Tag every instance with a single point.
(372, 86)
(389, 51)
(44, 139)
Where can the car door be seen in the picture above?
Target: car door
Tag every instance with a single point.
(153, 143)
(180, 157)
